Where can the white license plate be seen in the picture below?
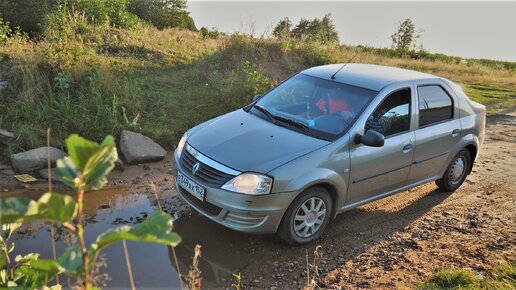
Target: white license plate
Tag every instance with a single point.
(190, 186)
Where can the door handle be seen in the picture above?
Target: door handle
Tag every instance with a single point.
(408, 147)
(455, 132)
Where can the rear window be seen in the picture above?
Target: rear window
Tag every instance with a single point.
(435, 105)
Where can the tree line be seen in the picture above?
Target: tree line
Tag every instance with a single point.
(30, 15)
(323, 31)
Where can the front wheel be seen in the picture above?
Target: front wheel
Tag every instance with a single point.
(307, 217)
(456, 172)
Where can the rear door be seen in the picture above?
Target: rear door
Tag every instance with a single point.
(377, 170)
(438, 129)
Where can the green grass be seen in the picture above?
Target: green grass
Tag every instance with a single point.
(497, 100)
(502, 276)
(78, 75)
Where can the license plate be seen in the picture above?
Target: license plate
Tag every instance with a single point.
(190, 186)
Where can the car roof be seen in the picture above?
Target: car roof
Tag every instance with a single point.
(369, 76)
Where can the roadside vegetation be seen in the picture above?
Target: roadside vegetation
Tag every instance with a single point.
(502, 276)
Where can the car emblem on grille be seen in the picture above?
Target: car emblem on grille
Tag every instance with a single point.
(195, 168)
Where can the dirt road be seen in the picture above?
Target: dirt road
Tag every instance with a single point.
(390, 243)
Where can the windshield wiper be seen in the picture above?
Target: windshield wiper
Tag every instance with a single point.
(298, 125)
(302, 127)
(265, 112)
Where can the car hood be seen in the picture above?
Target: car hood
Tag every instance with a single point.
(246, 142)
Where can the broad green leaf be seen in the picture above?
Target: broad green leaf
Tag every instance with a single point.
(99, 166)
(11, 207)
(46, 266)
(88, 162)
(67, 172)
(37, 273)
(71, 261)
(50, 207)
(80, 150)
(156, 229)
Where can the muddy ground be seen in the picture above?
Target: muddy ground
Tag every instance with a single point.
(390, 243)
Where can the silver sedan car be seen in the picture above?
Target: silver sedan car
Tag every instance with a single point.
(324, 141)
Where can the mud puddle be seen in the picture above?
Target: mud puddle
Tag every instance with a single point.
(153, 265)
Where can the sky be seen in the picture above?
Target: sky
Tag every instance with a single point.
(467, 29)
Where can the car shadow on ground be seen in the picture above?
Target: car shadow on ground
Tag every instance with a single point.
(225, 252)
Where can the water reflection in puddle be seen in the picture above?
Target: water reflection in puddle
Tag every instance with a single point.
(153, 265)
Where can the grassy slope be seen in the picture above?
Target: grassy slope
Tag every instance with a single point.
(76, 79)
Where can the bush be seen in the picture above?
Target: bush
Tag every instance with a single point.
(29, 15)
(209, 33)
(313, 55)
(114, 12)
(255, 81)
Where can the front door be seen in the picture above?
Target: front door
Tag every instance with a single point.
(376, 170)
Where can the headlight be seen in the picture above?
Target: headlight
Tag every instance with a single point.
(181, 144)
(250, 183)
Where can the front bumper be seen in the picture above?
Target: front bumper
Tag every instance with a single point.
(260, 214)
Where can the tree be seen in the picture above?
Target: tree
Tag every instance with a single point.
(163, 13)
(282, 29)
(317, 30)
(406, 35)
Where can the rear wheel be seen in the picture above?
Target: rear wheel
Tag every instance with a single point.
(307, 217)
(456, 172)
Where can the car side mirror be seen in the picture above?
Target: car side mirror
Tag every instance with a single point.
(370, 138)
(255, 98)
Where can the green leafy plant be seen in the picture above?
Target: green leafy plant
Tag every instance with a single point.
(5, 30)
(255, 81)
(84, 169)
(63, 80)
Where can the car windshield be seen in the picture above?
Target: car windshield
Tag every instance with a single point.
(321, 108)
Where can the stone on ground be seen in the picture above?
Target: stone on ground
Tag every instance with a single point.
(6, 137)
(34, 159)
(119, 165)
(138, 148)
(44, 174)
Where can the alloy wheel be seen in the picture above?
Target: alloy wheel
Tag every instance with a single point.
(309, 217)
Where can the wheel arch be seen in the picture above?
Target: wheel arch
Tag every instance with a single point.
(473, 150)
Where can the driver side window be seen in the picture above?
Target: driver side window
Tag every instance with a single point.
(393, 114)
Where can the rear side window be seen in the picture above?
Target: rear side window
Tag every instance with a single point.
(393, 114)
(435, 105)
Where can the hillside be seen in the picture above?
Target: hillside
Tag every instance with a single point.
(78, 76)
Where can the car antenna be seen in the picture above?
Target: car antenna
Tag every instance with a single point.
(352, 58)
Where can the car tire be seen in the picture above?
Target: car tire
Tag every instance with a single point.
(456, 172)
(291, 229)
